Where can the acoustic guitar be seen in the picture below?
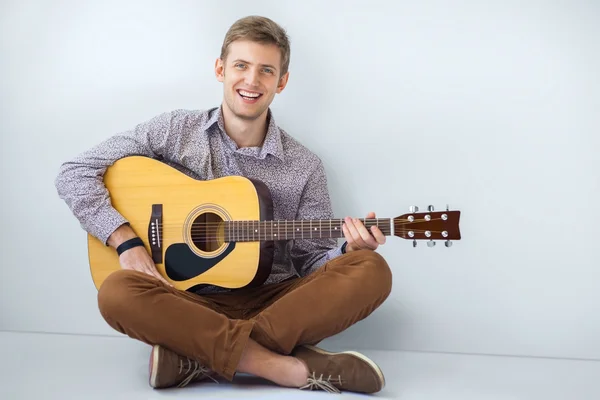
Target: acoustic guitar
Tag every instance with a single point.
(221, 232)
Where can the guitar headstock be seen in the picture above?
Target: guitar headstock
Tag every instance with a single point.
(431, 225)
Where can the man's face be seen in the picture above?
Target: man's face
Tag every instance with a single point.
(250, 77)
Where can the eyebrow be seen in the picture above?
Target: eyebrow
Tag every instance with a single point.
(262, 65)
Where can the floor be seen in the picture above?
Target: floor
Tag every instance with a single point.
(49, 366)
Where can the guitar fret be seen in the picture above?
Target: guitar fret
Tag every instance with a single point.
(256, 230)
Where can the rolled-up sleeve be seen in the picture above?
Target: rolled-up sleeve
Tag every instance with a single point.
(80, 181)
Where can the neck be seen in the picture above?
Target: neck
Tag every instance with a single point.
(242, 231)
(245, 132)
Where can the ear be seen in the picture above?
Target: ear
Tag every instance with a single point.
(283, 82)
(219, 70)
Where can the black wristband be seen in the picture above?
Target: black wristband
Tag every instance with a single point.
(128, 244)
(344, 247)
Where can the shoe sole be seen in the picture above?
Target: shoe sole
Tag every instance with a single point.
(355, 354)
(154, 364)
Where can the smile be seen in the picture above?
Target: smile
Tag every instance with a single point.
(249, 96)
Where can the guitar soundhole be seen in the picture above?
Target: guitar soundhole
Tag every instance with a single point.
(208, 232)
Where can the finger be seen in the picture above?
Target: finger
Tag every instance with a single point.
(365, 235)
(370, 215)
(378, 234)
(159, 276)
(355, 234)
(150, 271)
(147, 271)
(375, 231)
(348, 236)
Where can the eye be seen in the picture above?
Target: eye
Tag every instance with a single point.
(239, 65)
(268, 70)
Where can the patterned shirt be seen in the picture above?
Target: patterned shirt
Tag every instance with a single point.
(195, 143)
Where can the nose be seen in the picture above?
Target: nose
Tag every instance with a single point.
(252, 77)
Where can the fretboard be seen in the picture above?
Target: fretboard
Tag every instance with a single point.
(251, 231)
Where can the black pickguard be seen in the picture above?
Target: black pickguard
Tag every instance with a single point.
(182, 264)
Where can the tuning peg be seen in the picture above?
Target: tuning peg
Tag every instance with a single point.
(414, 209)
(430, 208)
(414, 243)
(431, 243)
(448, 243)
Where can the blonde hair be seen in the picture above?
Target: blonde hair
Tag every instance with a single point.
(261, 30)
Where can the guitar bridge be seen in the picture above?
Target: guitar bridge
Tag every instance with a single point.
(155, 233)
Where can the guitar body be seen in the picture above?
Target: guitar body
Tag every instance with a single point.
(180, 220)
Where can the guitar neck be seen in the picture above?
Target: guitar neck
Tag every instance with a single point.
(251, 231)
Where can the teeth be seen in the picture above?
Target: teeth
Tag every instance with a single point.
(248, 94)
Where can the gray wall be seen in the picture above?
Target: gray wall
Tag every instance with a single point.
(491, 108)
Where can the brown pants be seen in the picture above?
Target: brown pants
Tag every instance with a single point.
(214, 328)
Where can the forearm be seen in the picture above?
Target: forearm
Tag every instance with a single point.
(123, 233)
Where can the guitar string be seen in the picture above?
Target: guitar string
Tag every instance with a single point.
(201, 235)
(211, 237)
(265, 233)
(288, 231)
(250, 230)
(221, 241)
(244, 224)
(306, 221)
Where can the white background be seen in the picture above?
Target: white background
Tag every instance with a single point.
(491, 108)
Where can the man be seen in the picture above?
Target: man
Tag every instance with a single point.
(316, 289)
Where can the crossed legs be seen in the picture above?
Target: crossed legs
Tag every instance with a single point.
(251, 330)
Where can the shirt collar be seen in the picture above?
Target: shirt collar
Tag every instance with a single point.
(271, 145)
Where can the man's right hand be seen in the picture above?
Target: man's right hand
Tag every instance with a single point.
(136, 258)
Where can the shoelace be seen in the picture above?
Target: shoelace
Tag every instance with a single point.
(194, 369)
(324, 384)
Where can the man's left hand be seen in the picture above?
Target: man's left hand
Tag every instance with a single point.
(359, 237)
